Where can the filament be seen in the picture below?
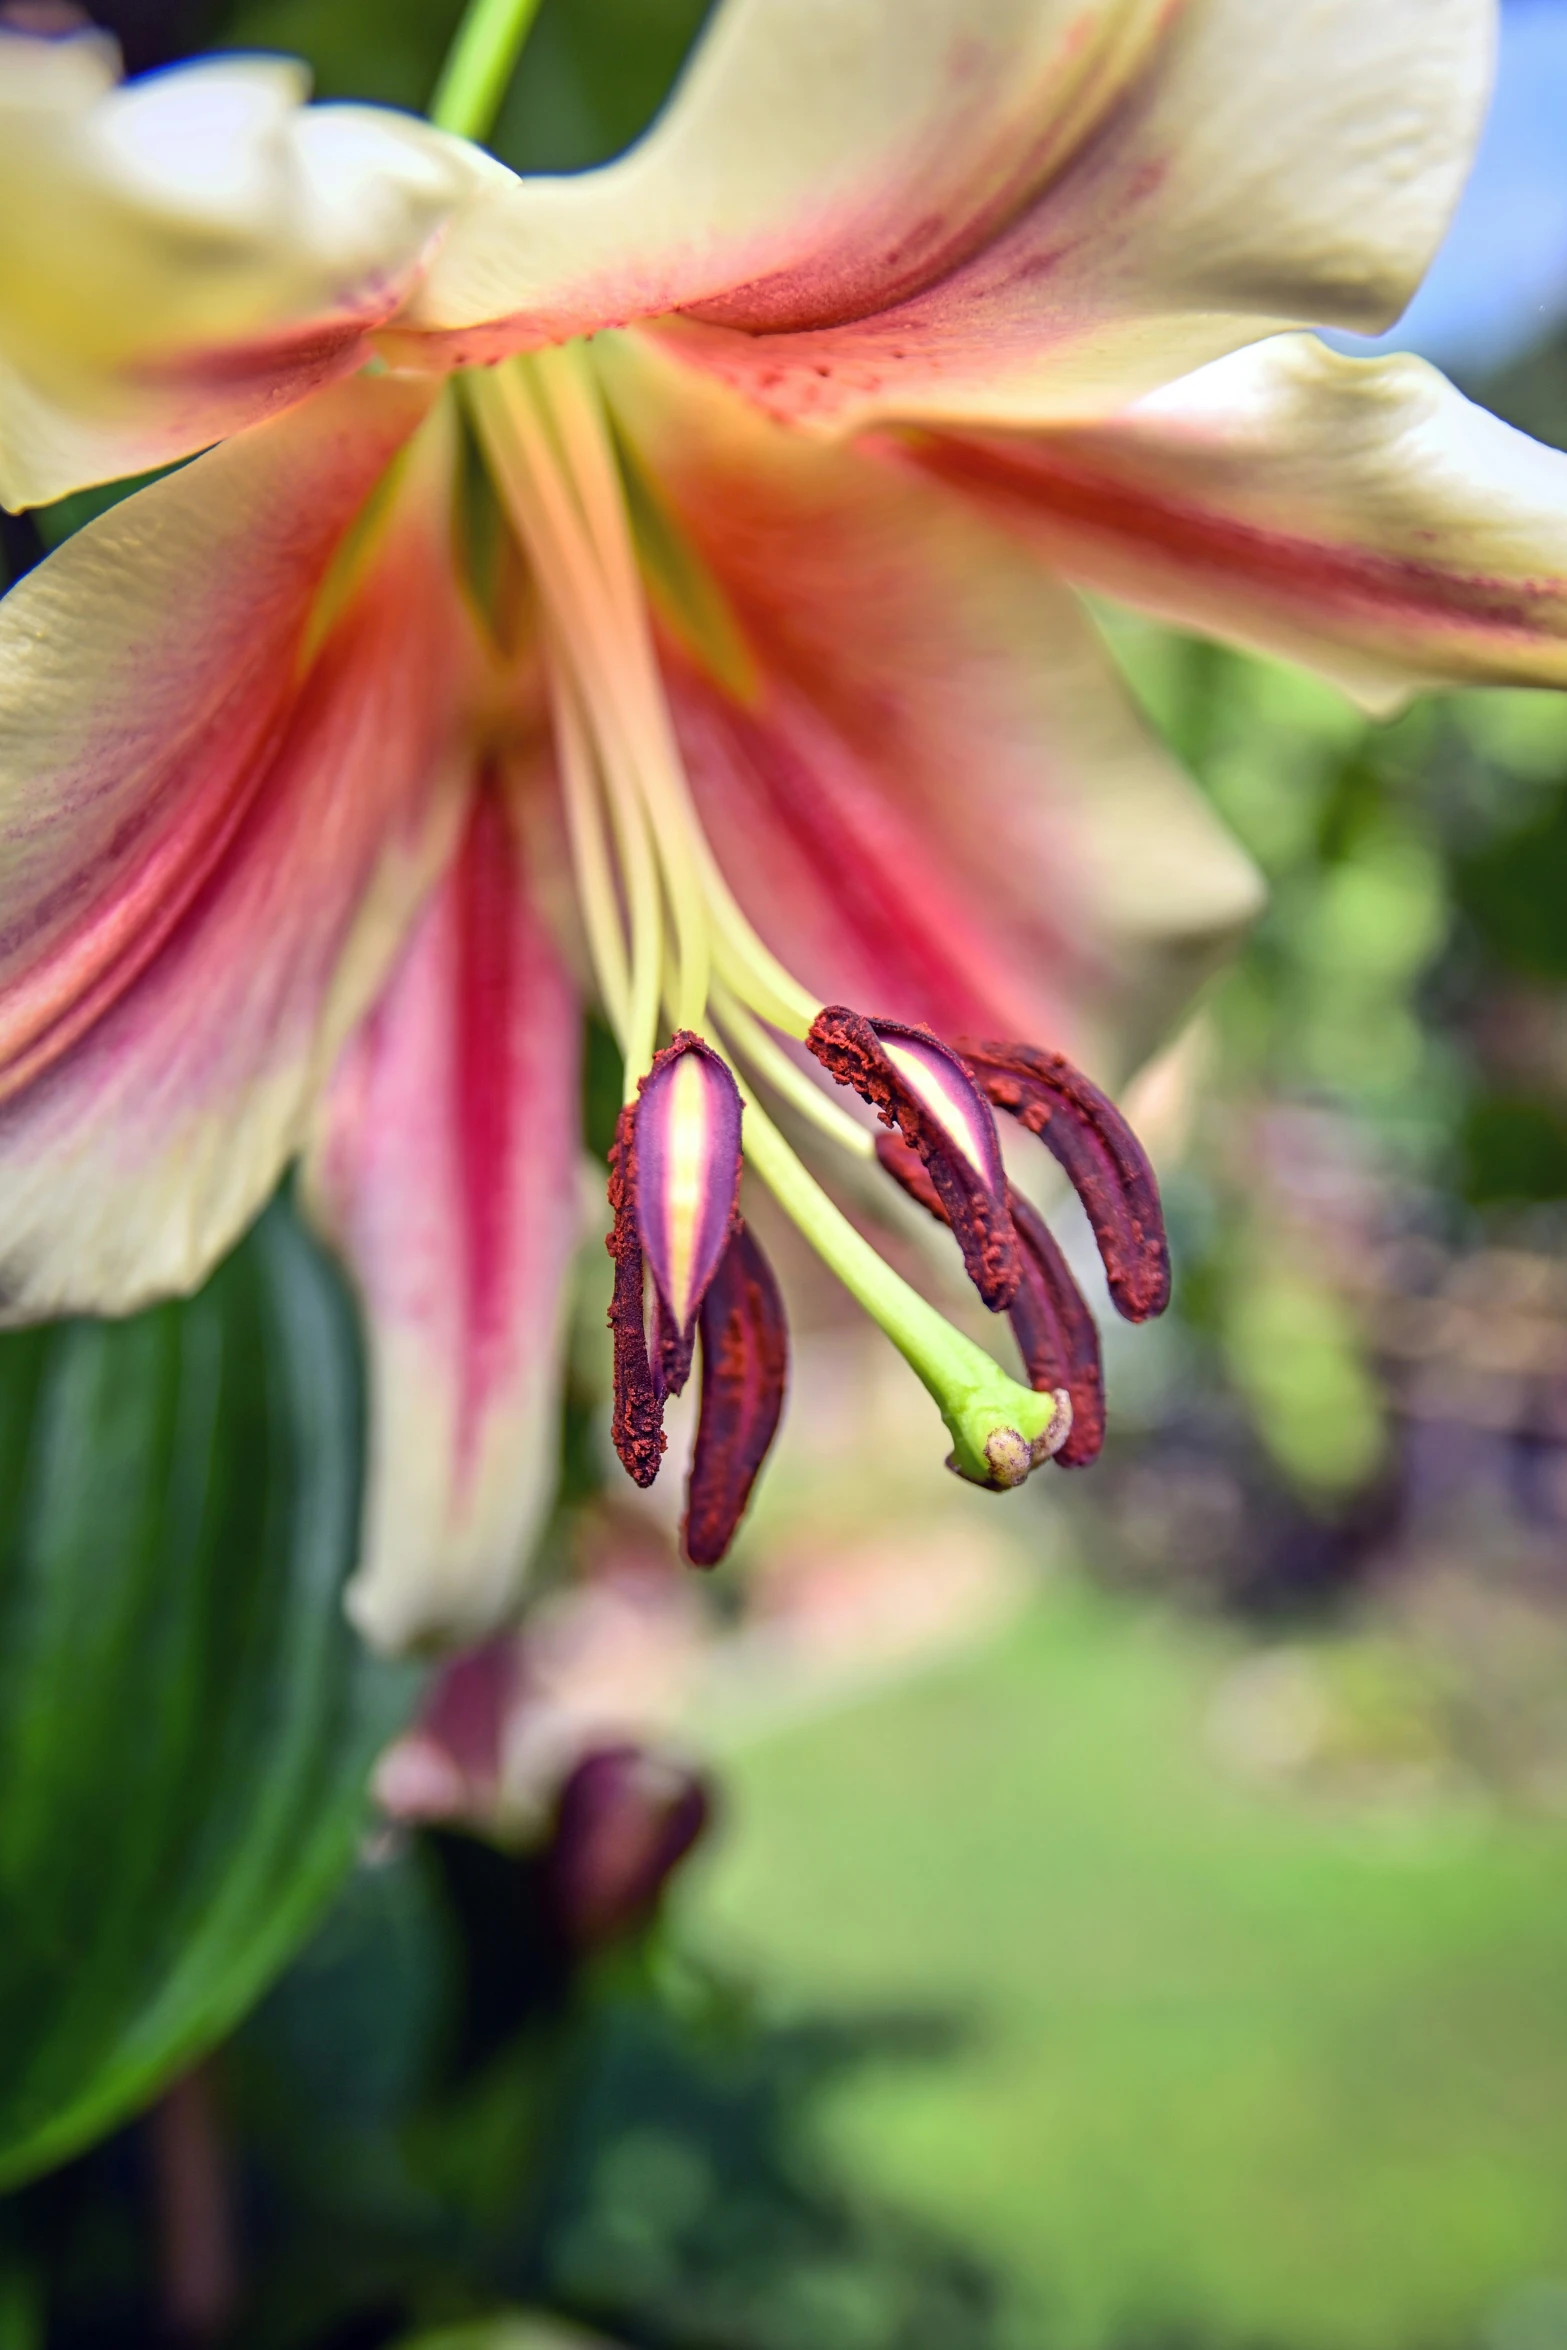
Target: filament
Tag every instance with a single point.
(581, 792)
(766, 1056)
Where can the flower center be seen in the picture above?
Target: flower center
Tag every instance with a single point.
(672, 951)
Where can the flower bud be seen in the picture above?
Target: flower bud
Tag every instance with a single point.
(625, 1820)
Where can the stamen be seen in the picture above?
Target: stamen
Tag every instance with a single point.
(670, 1351)
(1000, 1431)
(543, 429)
(917, 1084)
(665, 931)
(540, 421)
(745, 1367)
(1056, 1333)
(1106, 1164)
(590, 854)
(637, 1427)
(1051, 1319)
(687, 1172)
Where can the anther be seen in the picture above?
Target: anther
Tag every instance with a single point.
(1103, 1159)
(1051, 1319)
(745, 1367)
(674, 1183)
(688, 1180)
(637, 1427)
(920, 1088)
(1056, 1334)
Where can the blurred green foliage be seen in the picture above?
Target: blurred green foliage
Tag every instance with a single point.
(592, 76)
(1254, 2020)
(1389, 1054)
(186, 1722)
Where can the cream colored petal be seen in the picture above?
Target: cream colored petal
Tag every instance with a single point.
(1020, 208)
(1359, 515)
(445, 1168)
(182, 254)
(225, 720)
(917, 766)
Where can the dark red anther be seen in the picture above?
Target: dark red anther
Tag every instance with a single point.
(932, 1101)
(907, 1168)
(688, 1182)
(1103, 1158)
(638, 1423)
(1056, 1335)
(669, 1350)
(745, 1365)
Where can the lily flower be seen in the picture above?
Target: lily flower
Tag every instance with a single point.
(661, 582)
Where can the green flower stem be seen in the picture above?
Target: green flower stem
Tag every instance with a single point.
(998, 1427)
(479, 65)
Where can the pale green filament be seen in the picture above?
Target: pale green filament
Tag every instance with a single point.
(601, 625)
(541, 502)
(590, 853)
(479, 65)
(669, 931)
(763, 1053)
(605, 578)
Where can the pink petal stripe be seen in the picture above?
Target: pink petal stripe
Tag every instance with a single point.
(190, 1026)
(1358, 514)
(147, 678)
(445, 1169)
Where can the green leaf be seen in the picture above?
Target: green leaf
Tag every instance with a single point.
(186, 1720)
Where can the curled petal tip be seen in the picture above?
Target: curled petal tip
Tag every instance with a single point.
(920, 1087)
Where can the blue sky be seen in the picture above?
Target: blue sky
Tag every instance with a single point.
(1499, 284)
